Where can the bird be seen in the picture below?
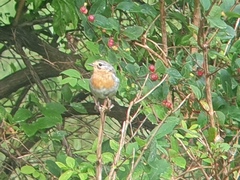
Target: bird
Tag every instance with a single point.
(103, 83)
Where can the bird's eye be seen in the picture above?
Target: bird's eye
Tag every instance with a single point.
(100, 65)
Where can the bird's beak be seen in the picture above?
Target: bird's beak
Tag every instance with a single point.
(90, 64)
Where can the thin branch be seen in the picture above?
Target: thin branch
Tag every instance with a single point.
(163, 28)
(103, 111)
(129, 119)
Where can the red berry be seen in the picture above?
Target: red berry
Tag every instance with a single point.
(91, 18)
(154, 77)
(110, 42)
(83, 10)
(164, 101)
(167, 104)
(200, 73)
(151, 68)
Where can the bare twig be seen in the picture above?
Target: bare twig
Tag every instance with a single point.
(163, 28)
(152, 137)
(129, 119)
(103, 111)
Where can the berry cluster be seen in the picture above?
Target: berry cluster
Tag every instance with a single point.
(84, 10)
(167, 104)
(111, 42)
(154, 75)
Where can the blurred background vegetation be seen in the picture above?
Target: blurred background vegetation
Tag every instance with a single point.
(176, 114)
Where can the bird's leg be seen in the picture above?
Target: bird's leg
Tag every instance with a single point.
(109, 104)
(97, 104)
(104, 106)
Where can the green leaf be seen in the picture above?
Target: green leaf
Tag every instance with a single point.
(128, 56)
(140, 141)
(70, 162)
(83, 176)
(114, 145)
(202, 119)
(167, 127)
(179, 161)
(22, 115)
(205, 4)
(84, 83)
(132, 147)
(98, 7)
(217, 22)
(107, 157)
(29, 129)
(93, 47)
(69, 80)
(214, 18)
(71, 73)
(234, 113)
(36, 174)
(220, 117)
(133, 69)
(196, 91)
(238, 96)
(114, 24)
(27, 169)
(66, 175)
(66, 93)
(174, 76)
(174, 144)
(36, 4)
(41, 123)
(65, 14)
(92, 158)
(211, 134)
(149, 10)
(227, 5)
(53, 108)
(47, 122)
(88, 30)
(133, 32)
(62, 166)
(102, 21)
(78, 107)
(129, 6)
(53, 168)
(226, 82)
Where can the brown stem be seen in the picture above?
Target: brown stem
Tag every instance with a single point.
(208, 88)
(163, 27)
(196, 20)
(103, 111)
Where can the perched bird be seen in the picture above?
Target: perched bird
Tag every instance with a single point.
(103, 83)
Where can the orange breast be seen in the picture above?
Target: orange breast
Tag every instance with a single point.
(102, 80)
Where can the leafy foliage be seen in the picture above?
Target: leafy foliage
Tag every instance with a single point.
(183, 123)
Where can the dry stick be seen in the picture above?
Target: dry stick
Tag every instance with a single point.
(208, 88)
(146, 146)
(33, 73)
(191, 155)
(152, 52)
(152, 137)
(112, 173)
(99, 168)
(163, 28)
